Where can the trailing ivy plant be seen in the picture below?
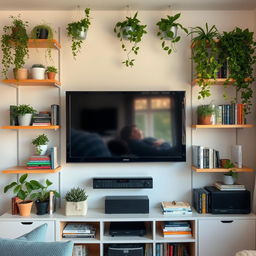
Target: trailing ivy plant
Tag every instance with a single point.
(132, 31)
(205, 54)
(74, 30)
(167, 31)
(238, 48)
(14, 44)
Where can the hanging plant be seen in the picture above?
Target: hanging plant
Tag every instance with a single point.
(168, 31)
(14, 44)
(132, 31)
(77, 31)
(238, 48)
(205, 54)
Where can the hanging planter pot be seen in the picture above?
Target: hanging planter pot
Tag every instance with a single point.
(173, 31)
(81, 33)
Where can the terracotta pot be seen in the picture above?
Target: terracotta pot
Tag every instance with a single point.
(51, 75)
(20, 73)
(25, 207)
(206, 120)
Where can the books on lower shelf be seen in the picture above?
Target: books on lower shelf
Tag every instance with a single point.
(177, 229)
(201, 200)
(80, 250)
(223, 187)
(175, 208)
(78, 230)
(172, 249)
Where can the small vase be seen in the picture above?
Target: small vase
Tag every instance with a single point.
(51, 75)
(38, 73)
(228, 180)
(25, 208)
(42, 207)
(20, 73)
(41, 150)
(25, 120)
(76, 208)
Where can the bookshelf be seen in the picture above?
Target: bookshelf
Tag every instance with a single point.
(220, 170)
(23, 169)
(225, 126)
(12, 127)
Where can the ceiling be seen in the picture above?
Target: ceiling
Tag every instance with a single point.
(133, 4)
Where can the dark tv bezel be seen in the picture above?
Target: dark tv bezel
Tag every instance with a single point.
(70, 159)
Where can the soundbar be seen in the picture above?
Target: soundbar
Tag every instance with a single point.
(123, 183)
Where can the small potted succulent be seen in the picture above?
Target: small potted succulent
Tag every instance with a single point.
(24, 113)
(205, 114)
(76, 202)
(22, 189)
(78, 31)
(231, 176)
(51, 72)
(40, 144)
(42, 195)
(132, 31)
(38, 72)
(168, 31)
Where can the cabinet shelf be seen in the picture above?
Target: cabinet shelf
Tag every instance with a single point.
(226, 126)
(12, 127)
(23, 169)
(244, 169)
(32, 82)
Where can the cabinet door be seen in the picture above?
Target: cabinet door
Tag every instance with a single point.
(13, 229)
(225, 237)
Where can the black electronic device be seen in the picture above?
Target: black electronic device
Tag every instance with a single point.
(126, 204)
(127, 229)
(123, 183)
(126, 250)
(131, 126)
(229, 202)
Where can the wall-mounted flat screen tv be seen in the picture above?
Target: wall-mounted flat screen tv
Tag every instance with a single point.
(129, 126)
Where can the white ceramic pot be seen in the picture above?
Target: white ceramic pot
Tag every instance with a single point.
(25, 120)
(228, 180)
(174, 30)
(126, 30)
(41, 149)
(81, 35)
(38, 73)
(76, 208)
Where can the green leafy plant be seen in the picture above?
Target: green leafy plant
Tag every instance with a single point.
(43, 193)
(24, 109)
(38, 66)
(238, 49)
(40, 140)
(14, 44)
(51, 69)
(76, 195)
(205, 54)
(229, 165)
(22, 188)
(167, 28)
(131, 30)
(205, 110)
(74, 30)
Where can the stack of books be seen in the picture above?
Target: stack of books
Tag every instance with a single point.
(39, 162)
(78, 230)
(201, 199)
(80, 250)
(177, 229)
(176, 208)
(172, 249)
(41, 119)
(204, 157)
(223, 187)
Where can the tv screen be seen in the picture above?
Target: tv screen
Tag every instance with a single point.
(126, 126)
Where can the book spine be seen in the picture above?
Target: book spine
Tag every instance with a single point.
(228, 113)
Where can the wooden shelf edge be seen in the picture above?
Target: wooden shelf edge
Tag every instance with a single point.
(32, 82)
(50, 127)
(223, 126)
(218, 81)
(23, 169)
(44, 43)
(244, 169)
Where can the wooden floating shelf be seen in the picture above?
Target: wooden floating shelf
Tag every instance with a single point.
(218, 81)
(23, 169)
(226, 126)
(244, 169)
(43, 43)
(49, 127)
(32, 82)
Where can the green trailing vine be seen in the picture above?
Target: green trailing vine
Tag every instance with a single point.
(238, 49)
(132, 31)
(205, 54)
(74, 30)
(166, 33)
(14, 44)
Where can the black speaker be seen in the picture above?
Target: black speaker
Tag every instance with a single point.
(126, 204)
(126, 250)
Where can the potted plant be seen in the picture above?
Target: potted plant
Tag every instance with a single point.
(40, 144)
(51, 72)
(14, 44)
(231, 176)
(76, 202)
(42, 195)
(22, 190)
(38, 72)
(205, 114)
(132, 31)
(168, 31)
(205, 54)
(24, 113)
(78, 31)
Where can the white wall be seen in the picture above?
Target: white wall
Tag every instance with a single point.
(98, 67)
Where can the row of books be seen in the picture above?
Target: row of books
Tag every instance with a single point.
(80, 250)
(201, 200)
(175, 208)
(204, 157)
(79, 230)
(176, 249)
(176, 229)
